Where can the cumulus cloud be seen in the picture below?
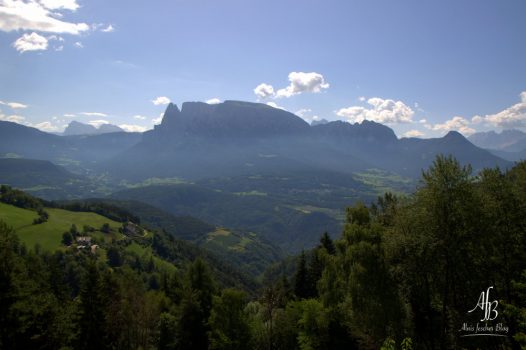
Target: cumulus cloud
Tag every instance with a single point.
(300, 82)
(213, 101)
(514, 116)
(30, 42)
(161, 100)
(46, 126)
(13, 105)
(79, 45)
(132, 128)
(361, 98)
(382, 111)
(60, 4)
(303, 112)
(139, 117)
(93, 114)
(158, 120)
(275, 105)
(16, 15)
(98, 123)
(456, 123)
(108, 29)
(477, 119)
(12, 118)
(264, 91)
(413, 133)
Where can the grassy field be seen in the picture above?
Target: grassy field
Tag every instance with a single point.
(49, 234)
(147, 252)
(383, 181)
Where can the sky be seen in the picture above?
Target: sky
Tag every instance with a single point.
(421, 67)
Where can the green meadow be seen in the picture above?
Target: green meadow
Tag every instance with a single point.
(49, 234)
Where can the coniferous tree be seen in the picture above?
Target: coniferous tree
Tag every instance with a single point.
(92, 311)
(327, 243)
(301, 278)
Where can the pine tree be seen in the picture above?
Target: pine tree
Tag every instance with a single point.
(301, 278)
(92, 311)
(327, 243)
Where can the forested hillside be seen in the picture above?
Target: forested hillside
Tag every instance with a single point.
(407, 272)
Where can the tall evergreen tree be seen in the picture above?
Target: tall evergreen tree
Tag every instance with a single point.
(327, 243)
(92, 331)
(301, 278)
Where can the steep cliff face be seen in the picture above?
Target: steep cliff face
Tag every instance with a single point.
(230, 119)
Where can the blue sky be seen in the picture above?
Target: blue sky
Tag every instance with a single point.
(421, 67)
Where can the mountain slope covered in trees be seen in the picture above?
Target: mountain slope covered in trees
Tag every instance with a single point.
(405, 273)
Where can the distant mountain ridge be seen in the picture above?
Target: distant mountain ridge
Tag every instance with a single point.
(242, 138)
(74, 151)
(78, 128)
(507, 140)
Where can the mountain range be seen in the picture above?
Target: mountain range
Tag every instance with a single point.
(240, 138)
(508, 144)
(78, 128)
(247, 166)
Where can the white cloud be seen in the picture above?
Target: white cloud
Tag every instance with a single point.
(69, 115)
(361, 98)
(383, 111)
(139, 117)
(16, 105)
(303, 112)
(98, 123)
(514, 116)
(79, 45)
(30, 42)
(108, 29)
(13, 105)
(275, 105)
(477, 119)
(46, 126)
(413, 133)
(161, 100)
(158, 120)
(301, 82)
(60, 4)
(13, 118)
(213, 101)
(456, 123)
(132, 128)
(423, 121)
(93, 114)
(264, 91)
(16, 15)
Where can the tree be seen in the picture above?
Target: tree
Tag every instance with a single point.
(8, 290)
(67, 238)
(92, 311)
(228, 322)
(327, 243)
(114, 256)
(105, 228)
(194, 310)
(301, 278)
(314, 326)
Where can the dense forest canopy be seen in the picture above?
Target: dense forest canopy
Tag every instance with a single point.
(405, 274)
